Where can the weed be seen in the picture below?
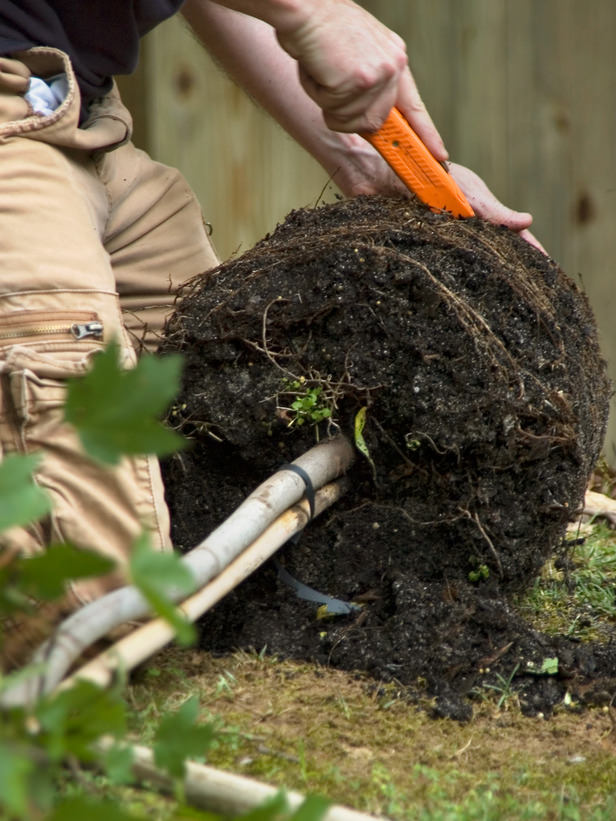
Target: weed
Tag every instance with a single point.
(503, 687)
(411, 442)
(226, 684)
(344, 707)
(395, 801)
(309, 405)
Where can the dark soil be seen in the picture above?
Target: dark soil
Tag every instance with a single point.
(477, 362)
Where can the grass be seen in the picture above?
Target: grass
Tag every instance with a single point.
(367, 745)
(576, 592)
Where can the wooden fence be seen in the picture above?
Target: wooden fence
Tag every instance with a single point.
(523, 91)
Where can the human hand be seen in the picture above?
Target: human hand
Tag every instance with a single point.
(354, 68)
(367, 173)
(487, 206)
(14, 82)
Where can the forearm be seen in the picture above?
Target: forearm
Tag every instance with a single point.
(269, 75)
(350, 64)
(323, 118)
(277, 13)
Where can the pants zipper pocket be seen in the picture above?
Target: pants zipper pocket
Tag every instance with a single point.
(29, 325)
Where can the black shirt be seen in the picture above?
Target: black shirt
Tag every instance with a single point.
(100, 36)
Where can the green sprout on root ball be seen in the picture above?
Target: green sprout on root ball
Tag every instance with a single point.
(482, 572)
(308, 404)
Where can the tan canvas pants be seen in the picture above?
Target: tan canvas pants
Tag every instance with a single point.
(91, 230)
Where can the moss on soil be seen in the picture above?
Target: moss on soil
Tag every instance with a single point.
(364, 745)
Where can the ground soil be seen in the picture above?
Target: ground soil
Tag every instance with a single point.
(477, 362)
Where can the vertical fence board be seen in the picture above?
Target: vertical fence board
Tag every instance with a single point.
(429, 50)
(563, 88)
(247, 173)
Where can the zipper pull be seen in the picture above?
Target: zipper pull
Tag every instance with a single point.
(80, 330)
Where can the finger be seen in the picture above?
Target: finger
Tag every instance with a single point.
(13, 107)
(412, 106)
(14, 76)
(494, 211)
(489, 208)
(352, 109)
(532, 240)
(484, 202)
(11, 66)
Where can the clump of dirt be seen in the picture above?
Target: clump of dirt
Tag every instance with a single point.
(475, 361)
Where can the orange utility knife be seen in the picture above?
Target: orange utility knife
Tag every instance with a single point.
(406, 154)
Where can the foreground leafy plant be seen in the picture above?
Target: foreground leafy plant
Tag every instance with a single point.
(22, 501)
(36, 744)
(152, 573)
(115, 412)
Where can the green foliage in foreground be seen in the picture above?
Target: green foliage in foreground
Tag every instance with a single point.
(153, 573)
(115, 412)
(46, 751)
(22, 501)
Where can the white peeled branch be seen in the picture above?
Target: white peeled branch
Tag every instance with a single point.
(144, 641)
(323, 463)
(222, 792)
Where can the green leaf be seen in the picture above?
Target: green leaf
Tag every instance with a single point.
(159, 570)
(273, 808)
(21, 501)
(18, 677)
(549, 666)
(15, 771)
(154, 574)
(74, 718)
(185, 632)
(179, 737)
(360, 442)
(313, 808)
(11, 597)
(116, 411)
(85, 809)
(118, 763)
(45, 576)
